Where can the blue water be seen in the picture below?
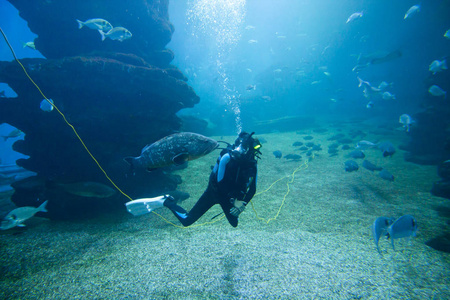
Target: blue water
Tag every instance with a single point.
(303, 39)
(255, 63)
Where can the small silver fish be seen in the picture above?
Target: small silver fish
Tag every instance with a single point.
(364, 145)
(354, 16)
(437, 91)
(388, 96)
(29, 45)
(17, 216)
(437, 66)
(412, 11)
(405, 226)
(96, 24)
(383, 85)
(117, 33)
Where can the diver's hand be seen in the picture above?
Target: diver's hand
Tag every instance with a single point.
(239, 207)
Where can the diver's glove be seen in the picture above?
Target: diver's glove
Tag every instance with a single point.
(239, 207)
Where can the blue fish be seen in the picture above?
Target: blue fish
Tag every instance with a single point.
(357, 154)
(405, 226)
(386, 175)
(351, 165)
(277, 154)
(370, 166)
(387, 148)
(379, 228)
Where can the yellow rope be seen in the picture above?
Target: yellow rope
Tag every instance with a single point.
(292, 176)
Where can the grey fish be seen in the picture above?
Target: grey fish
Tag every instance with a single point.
(386, 175)
(332, 150)
(336, 137)
(379, 228)
(333, 146)
(277, 153)
(387, 148)
(350, 166)
(364, 145)
(175, 149)
(17, 216)
(404, 226)
(96, 24)
(87, 189)
(357, 154)
(370, 166)
(293, 156)
(117, 33)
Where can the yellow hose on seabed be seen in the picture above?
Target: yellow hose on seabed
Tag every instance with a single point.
(123, 193)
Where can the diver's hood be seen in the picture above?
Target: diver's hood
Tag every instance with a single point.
(244, 144)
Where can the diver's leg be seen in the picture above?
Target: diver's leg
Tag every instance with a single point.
(226, 207)
(188, 218)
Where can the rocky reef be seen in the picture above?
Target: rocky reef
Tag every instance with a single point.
(119, 96)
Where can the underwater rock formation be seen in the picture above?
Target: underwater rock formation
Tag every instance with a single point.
(119, 96)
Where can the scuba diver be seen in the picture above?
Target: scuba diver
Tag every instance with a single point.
(232, 184)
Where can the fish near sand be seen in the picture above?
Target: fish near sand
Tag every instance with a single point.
(277, 154)
(356, 154)
(175, 149)
(370, 166)
(379, 228)
(350, 166)
(405, 226)
(117, 33)
(364, 145)
(17, 216)
(387, 148)
(386, 175)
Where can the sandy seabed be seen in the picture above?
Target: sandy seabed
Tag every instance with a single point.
(319, 246)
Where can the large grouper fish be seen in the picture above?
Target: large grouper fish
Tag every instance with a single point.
(175, 149)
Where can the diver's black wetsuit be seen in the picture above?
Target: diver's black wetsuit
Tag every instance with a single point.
(230, 179)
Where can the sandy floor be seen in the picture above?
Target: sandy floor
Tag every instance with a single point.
(319, 246)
